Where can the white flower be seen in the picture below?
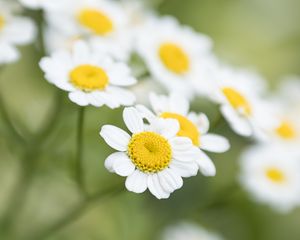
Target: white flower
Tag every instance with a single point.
(90, 77)
(42, 4)
(271, 174)
(14, 31)
(241, 105)
(192, 125)
(188, 231)
(152, 157)
(174, 54)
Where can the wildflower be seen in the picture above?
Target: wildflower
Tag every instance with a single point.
(14, 31)
(90, 77)
(153, 156)
(192, 125)
(174, 54)
(188, 231)
(271, 175)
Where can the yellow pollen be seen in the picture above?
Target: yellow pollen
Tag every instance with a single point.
(275, 175)
(2, 22)
(237, 100)
(187, 127)
(96, 21)
(174, 58)
(286, 130)
(150, 152)
(89, 78)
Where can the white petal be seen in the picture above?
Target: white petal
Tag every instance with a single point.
(155, 187)
(165, 127)
(133, 120)
(79, 98)
(170, 180)
(107, 99)
(145, 112)
(181, 144)
(184, 169)
(189, 154)
(178, 104)
(120, 75)
(239, 124)
(200, 120)
(136, 182)
(214, 143)
(115, 137)
(206, 166)
(123, 165)
(109, 161)
(81, 52)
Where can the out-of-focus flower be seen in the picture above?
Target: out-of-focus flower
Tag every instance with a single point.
(188, 231)
(174, 54)
(192, 125)
(14, 31)
(241, 104)
(43, 4)
(271, 174)
(153, 157)
(89, 76)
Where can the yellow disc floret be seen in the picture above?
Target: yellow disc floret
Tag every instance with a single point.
(96, 21)
(187, 127)
(286, 130)
(174, 58)
(237, 100)
(275, 175)
(150, 152)
(2, 22)
(89, 78)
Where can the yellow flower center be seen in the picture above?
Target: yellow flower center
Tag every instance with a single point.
(150, 152)
(187, 127)
(275, 175)
(286, 130)
(96, 21)
(2, 22)
(89, 78)
(174, 58)
(237, 100)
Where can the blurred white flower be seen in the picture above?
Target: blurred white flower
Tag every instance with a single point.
(14, 31)
(192, 125)
(188, 231)
(241, 104)
(153, 157)
(90, 77)
(42, 4)
(174, 54)
(271, 174)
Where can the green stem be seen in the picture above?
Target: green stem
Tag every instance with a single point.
(79, 147)
(75, 213)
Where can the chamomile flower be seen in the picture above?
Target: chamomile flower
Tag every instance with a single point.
(152, 157)
(42, 4)
(14, 31)
(174, 54)
(90, 77)
(271, 175)
(192, 125)
(241, 106)
(188, 231)
(101, 18)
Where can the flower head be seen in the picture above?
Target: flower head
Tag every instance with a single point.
(271, 174)
(14, 31)
(153, 156)
(192, 125)
(90, 77)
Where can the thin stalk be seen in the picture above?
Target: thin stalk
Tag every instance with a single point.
(79, 147)
(76, 212)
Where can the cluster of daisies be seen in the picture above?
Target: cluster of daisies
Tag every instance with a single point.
(95, 48)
